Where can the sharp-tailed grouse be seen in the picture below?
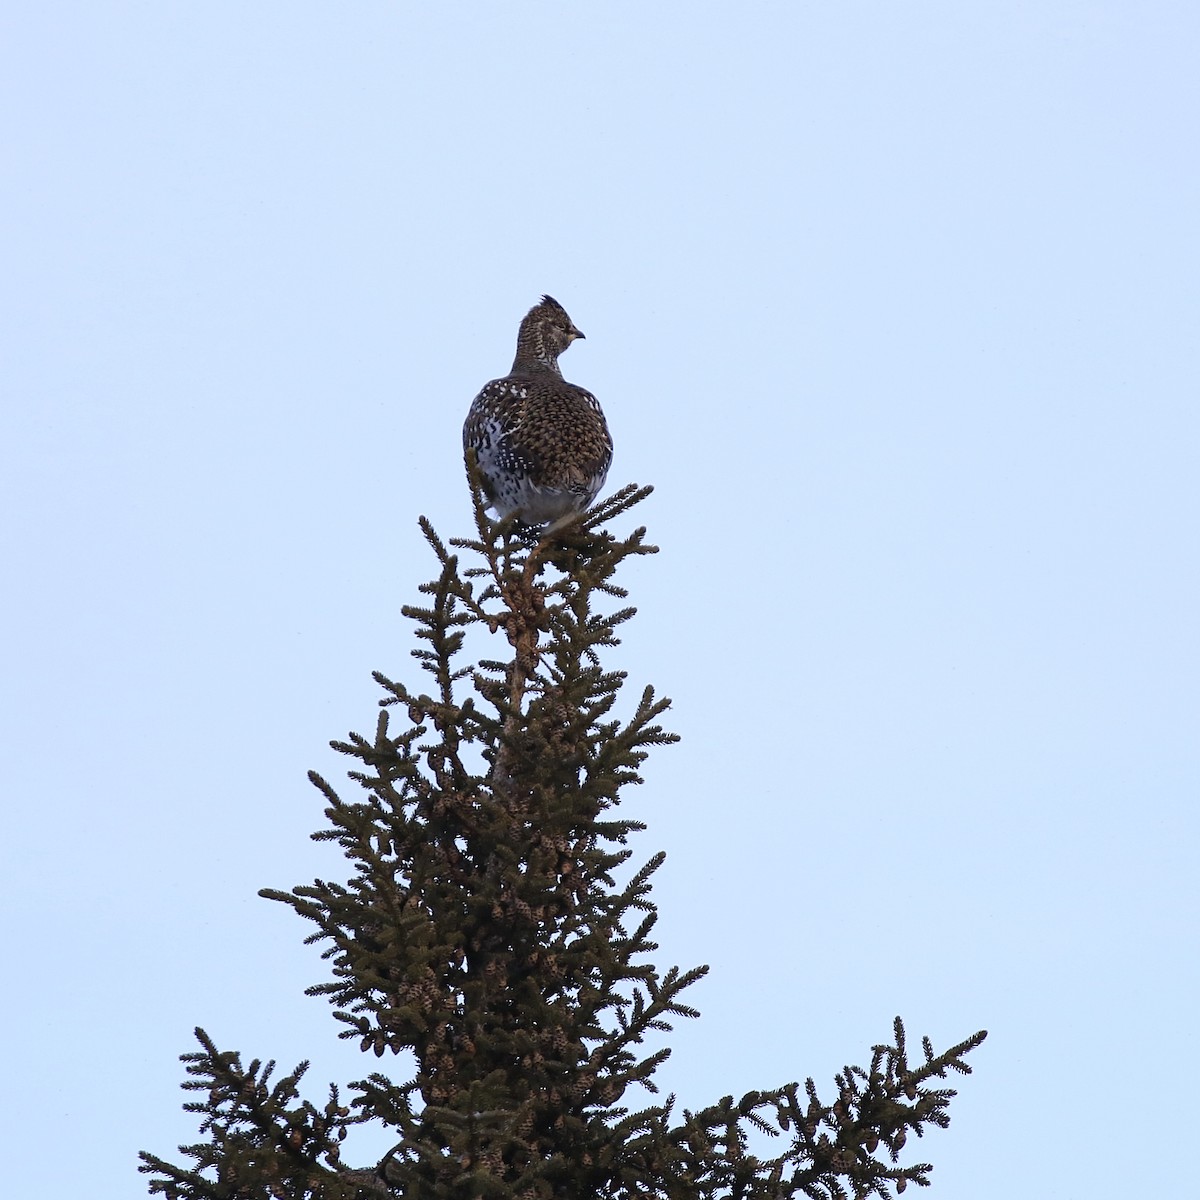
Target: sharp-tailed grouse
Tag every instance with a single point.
(541, 443)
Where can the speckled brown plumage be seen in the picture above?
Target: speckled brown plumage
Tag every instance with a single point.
(542, 443)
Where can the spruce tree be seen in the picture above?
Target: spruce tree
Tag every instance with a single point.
(483, 937)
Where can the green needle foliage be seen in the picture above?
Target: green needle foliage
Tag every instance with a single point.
(483, 938)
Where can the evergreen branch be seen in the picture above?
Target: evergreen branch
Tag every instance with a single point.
(832, 1153)
(263, 1143)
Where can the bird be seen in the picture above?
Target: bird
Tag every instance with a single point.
(541, 444)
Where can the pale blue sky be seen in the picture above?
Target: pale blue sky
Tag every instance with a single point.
(896, 306)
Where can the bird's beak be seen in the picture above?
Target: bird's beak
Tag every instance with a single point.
(577, 333)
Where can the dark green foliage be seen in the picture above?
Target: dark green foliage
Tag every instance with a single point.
(484, 937)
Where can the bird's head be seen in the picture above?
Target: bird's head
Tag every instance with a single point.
(545, 333)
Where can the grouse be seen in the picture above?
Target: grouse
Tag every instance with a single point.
(542, 444)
